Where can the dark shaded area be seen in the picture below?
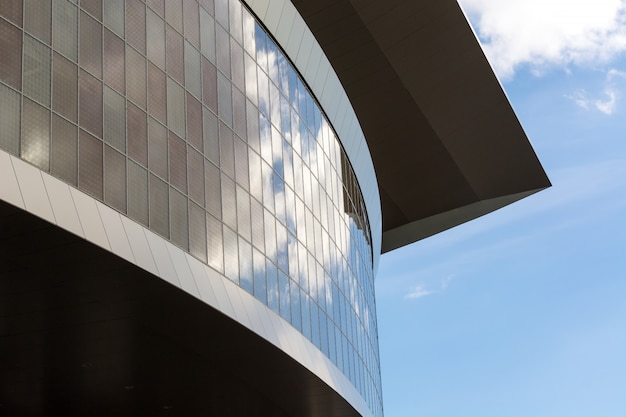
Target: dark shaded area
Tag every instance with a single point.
(85, 333)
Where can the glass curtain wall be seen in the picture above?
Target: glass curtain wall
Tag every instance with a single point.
(186, 116)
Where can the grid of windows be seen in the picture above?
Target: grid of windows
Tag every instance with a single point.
(187, 117)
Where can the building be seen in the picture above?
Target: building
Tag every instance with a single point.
(195, 195)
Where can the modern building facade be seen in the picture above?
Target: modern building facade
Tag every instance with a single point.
(196, 193)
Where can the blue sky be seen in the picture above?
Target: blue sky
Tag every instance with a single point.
(522, 313)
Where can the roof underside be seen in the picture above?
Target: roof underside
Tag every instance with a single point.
(445, 142)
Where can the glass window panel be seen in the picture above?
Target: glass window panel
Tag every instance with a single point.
(194, 123)
(282, 247)
(260, 283)
(90, 102)
(137, 128)
(156, 34)
(256, 216)
(315, 325)
(296, 308)
(174, 14)
(195, 164)
(245, 266)
(136, 77)
(249, 29)
(114, 119)
(243, 214)
(179, 219)
(292, 249)
(157, 149)
(191, 22)
(37, 70)
(211, 136)
(277, 152)
(90, 45)
(215, 245)
(157, 93)
(306, 315)
(213, 189)
(237, 65)
(273, 293)
(64, 150)
(264, 95)
(114, 15)
(272, 62)
(270, 236)
(229, 202)
(11, 62)
(279, 198)
(137, 193)
(227, 151)
(192, 70)
(65, 28)
(224, 102)
(38, 18)
(197, 232)
(252, 125)
(265, 136)
(261, 47)
(236, 20)
(175, 107)
(174, 47)
(114, 62)
(65, 87)
(35, 146)
(209, 85)
(178, 162)
(223, 50)
(284, 296)
(231, 257)
(136, 24)
(115, 179)
(268, 186)
(221, 12)
(239, 113)
(256, 177)
(12, 10)
(207, 35)
(251, 79)
(90, 164)
(9, 120)
(159, 206)
(283, 72)
(241, 163)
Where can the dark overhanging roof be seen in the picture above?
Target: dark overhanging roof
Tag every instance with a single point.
(446, 145)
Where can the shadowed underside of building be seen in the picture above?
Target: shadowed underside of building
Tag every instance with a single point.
(195, 195)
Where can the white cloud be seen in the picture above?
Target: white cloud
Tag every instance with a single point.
(607, 102)
(545, 33)
(418, 292)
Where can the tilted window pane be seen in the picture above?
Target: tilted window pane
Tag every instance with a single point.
(64, 150)
(35, 134)
(37, 67)
(65, 28)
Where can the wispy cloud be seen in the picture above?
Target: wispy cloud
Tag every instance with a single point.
(418, 292)
(607, 102)
(547, 33)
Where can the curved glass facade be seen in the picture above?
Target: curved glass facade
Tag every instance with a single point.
(185, 116)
